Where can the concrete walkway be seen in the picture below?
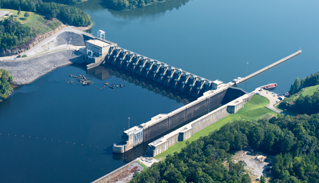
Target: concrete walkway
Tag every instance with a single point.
(3, 13)
(272, 97)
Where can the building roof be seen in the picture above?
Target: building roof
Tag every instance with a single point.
(98, 43)
(218, 82)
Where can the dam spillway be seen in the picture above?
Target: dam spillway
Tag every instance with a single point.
(212, 93)
(157, 71)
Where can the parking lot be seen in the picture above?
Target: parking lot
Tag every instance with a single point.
(271, 96)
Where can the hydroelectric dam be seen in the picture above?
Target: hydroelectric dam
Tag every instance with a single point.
(211, 94)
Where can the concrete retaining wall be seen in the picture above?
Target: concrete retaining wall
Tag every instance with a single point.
(162, 123)
(162, 144)
(113, 174)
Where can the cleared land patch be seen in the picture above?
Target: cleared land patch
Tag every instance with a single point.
(253, 110)
(38, 23)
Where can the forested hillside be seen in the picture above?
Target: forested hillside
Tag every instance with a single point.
(311, 80)
(293, 141)
(5, 80)
(305, 96)
(66, 14)
(12, 33)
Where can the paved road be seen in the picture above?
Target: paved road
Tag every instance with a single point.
(3, 13)
(31, 52)
(273, 98)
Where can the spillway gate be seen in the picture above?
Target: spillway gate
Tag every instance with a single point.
(158, 71)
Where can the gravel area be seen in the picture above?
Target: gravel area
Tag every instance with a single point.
(254, 167)
(27, 70)
(128, 174)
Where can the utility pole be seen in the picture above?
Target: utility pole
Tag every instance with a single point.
(128, 122)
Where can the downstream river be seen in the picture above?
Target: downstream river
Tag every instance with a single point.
(51, 131)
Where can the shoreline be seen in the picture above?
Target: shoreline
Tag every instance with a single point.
(26, 71)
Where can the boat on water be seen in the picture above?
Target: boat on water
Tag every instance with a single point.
(270, 86)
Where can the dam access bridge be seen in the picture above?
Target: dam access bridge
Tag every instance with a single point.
(161, 124)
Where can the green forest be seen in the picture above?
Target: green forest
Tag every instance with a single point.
(13, 34)
(293, 141)
(303, 104)
(311, 80)
(66, 14)
(5, 80)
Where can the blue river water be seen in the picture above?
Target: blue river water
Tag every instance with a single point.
(49, 120)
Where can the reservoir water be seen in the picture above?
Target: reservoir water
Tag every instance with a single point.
(213, 39)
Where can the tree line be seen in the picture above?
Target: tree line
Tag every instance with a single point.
(298, 84)
(303, 104)
(129, 4)
(12, 33)
(5, 81)
(65, 1)
(67, 14)
(293, 141)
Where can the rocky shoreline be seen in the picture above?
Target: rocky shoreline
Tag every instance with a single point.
(27, 70)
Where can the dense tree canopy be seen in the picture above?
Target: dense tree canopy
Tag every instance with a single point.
(12, 33)
(294, 141)
(67, 14)
(304, 104)
(311, 80)
(5, 80)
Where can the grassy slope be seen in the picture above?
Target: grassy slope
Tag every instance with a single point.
(20, 18)
(144, 166)
(38, 24)
(303, 92)
(254, 109)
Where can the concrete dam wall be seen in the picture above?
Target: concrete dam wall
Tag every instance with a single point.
(163, 123)
(158, 71)
(107, 71)
(162, 144)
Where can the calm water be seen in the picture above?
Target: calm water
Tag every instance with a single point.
(213, 39)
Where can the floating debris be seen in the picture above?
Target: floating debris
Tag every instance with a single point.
(106, 83)
(117, 86)
(122, 85)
